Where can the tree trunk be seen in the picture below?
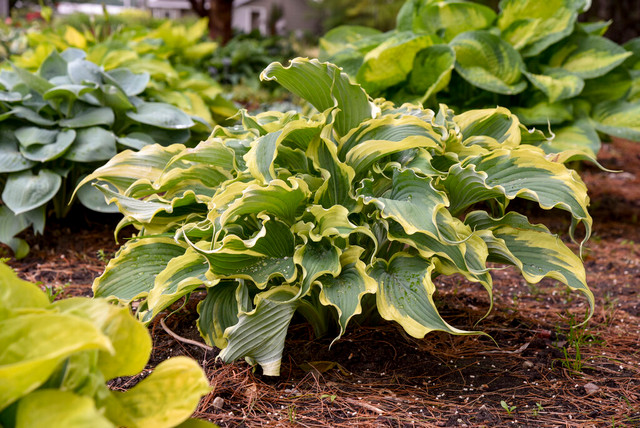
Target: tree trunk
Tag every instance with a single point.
(220, 20)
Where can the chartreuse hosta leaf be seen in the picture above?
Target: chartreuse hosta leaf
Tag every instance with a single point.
(618, 118)
(55, 359)
(312, 213)
(452, 18)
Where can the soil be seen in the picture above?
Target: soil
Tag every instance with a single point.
(548, 370)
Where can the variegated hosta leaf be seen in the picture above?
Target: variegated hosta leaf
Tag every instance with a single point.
(488, 62)
(333, 42)
(316, 259)
(405, 295)
(544, 113)
(338, 176)
(132, 272)
(324, 87)
(220, 309)
(578, 136)
(269, 253)
(618, 118)
(431, 70)
(499, 124)
(449, 19)
(344, 289)
(259, 334)
(614, 85)
(211, 152)
(201, 179)
(532, 248)
(412, 201)
(531, 25)
(334, 222)
(557, 83)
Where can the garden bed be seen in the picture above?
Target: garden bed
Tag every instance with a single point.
(546, 373)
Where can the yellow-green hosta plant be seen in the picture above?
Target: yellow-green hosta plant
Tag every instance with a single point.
(56, 357)
(290, 213)
(532, 57)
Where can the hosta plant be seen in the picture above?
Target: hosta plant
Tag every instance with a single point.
(532, 57)
(62, 122)
(359, 206)
(56, 357)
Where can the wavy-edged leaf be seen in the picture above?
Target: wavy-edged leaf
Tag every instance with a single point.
(316, 259)
(588, 57)
(334, 221)
(132, 272)
(531, 25)
(161, 115)
(405, 295)
(579, 135)
(259, 334)
(532, 248)
(338, 177)
(90, 117)
(488, 62)
(497, 123)
(325, 87)
(25, 191)
(557, 83)
(220, 309)
(619, 118)
(211, 152)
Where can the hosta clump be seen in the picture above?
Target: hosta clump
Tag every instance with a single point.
(55, 359)
(533, 57)
(291, 213)
(59, 124)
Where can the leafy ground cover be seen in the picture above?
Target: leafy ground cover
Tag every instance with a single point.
(546, 373)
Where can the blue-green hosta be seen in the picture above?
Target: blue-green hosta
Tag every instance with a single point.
(59, 124)
(56, 357)
(532, 57)
(291, 213)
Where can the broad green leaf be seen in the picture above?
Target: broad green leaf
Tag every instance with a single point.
(325, 87)
(31, 135)
(391, 62)
(69, 91)
(531, 25)
(557, 84)
(82, 71)
(544, 113)
(131, 83)
(162, 115)
(33, 81)
(344, 289)
(334, 221)
(619, 118)
(90, 117)
(405, 295)
(588, 57)
(338, 177)
(12, 224)
(412, 201)
(49, 408)
(268, 254)
(25, 191)
(135, 140)
(132, 272)
(219, 310)
(579, 135)
(615, 85)
(129, 338)
(46, 151)
(93, 198)
(31, 116)
(32, 344)
(447, 19)
(11, 160)
(316, 259)
(16, 293)
(431, 70)
(54, 65)
(532, 248)
(166, 398)
(91, 145)
(259, 334)
(488, 62)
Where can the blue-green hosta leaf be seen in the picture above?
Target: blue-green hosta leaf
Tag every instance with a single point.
(279, 198)
(11, 225)
(522, 172)
(447, 19)
(31, 116)
(25, 366)
(33, 81)
(33, 135)
(577, 136)
(92, 198)
(25, 191)
(588, 57)
(412, 201)
(10, 97)
(488, 62)
(316, 259)
(544, 113)
(391, 62)
(220, 309)
(131, 83)
(557, 83)
(532, 248)
(53, 66)
(132, 272)
(269, 253)
(161, 115)
(259, 334)
(130, 339)
(90, 117)
(182, 275)
(11, 160)
(115, 98)
(54, 407)
(431, 70)
(91, 145)
(531, 25)
(405, 295)
(325, 87)
(135, 140)
(619, 118)
(49, 151)
(344, 289)
(69, 91)
(166, 398)
(82, 71)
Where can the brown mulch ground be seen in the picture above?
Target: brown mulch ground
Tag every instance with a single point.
(547, 373)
